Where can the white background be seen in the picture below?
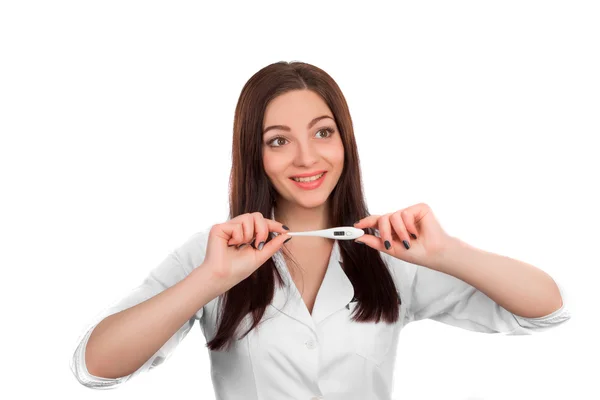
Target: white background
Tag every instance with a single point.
(116, 121)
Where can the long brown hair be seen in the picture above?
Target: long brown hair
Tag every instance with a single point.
(251, 191)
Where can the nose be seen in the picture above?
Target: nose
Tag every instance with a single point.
(307, 153)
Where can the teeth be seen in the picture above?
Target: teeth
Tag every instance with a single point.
(310, 179)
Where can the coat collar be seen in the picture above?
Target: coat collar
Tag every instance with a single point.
(335, 292)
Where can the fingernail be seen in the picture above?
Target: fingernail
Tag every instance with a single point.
(286, 228)
(260, 245)
(358, 241)
(406, 244)
(387, 245)
(286, 240)
(412, 235)
(242, 245)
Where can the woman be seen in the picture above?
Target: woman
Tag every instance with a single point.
(313, 317)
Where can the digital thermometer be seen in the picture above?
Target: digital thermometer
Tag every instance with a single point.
(338, 233)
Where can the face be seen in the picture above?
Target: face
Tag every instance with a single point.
(301, 144)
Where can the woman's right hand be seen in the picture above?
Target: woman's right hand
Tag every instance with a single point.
(231, 264)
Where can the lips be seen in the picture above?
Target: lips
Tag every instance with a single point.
(312, 184)
(308, 174)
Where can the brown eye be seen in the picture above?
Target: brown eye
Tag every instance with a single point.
(328, 130)
(275, 139)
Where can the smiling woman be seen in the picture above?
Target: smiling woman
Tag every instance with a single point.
(329, 330)
(307, 175)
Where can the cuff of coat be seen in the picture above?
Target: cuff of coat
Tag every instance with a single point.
(551, 320)
(79, 368)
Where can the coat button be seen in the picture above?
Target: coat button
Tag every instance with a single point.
(310, 344)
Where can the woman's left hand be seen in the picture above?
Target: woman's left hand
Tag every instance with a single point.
(429, 243)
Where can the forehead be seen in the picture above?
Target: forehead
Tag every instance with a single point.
(296, 108)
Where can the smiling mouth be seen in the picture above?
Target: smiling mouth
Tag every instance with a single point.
(309, 179)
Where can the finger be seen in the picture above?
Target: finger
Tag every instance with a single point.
(417, 213)
(409, 222)
(371, 221)
(367, 222)
(261, 230)
(269, 226)
(385, 230)
(275, 226)
(397, 223)
(272, 246)
(247, 223)
(231, 232)
(371, 241)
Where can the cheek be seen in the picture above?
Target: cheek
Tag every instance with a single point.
(336, 156)
(273, 166)
(337, 152)
(341, 159)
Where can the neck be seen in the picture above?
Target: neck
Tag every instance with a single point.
(299, 218)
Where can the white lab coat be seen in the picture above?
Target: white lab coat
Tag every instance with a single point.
(293, 355)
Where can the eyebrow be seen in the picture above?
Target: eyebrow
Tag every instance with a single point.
(287, 128)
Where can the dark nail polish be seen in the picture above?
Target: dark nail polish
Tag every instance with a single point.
(406, 244)
(286, 240)
(260, 245)
(358, 241)
(412, 235)
(387, 245)
(242, 245)
(286, 228)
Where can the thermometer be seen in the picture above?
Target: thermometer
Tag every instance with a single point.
(338, 233)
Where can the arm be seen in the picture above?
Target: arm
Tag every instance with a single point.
(165, 290)
(518, 287)
(123, 342)
(469, 289)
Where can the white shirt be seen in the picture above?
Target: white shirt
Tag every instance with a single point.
(296, 355)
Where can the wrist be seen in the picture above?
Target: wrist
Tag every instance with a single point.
(204, 277)
(447, 251)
